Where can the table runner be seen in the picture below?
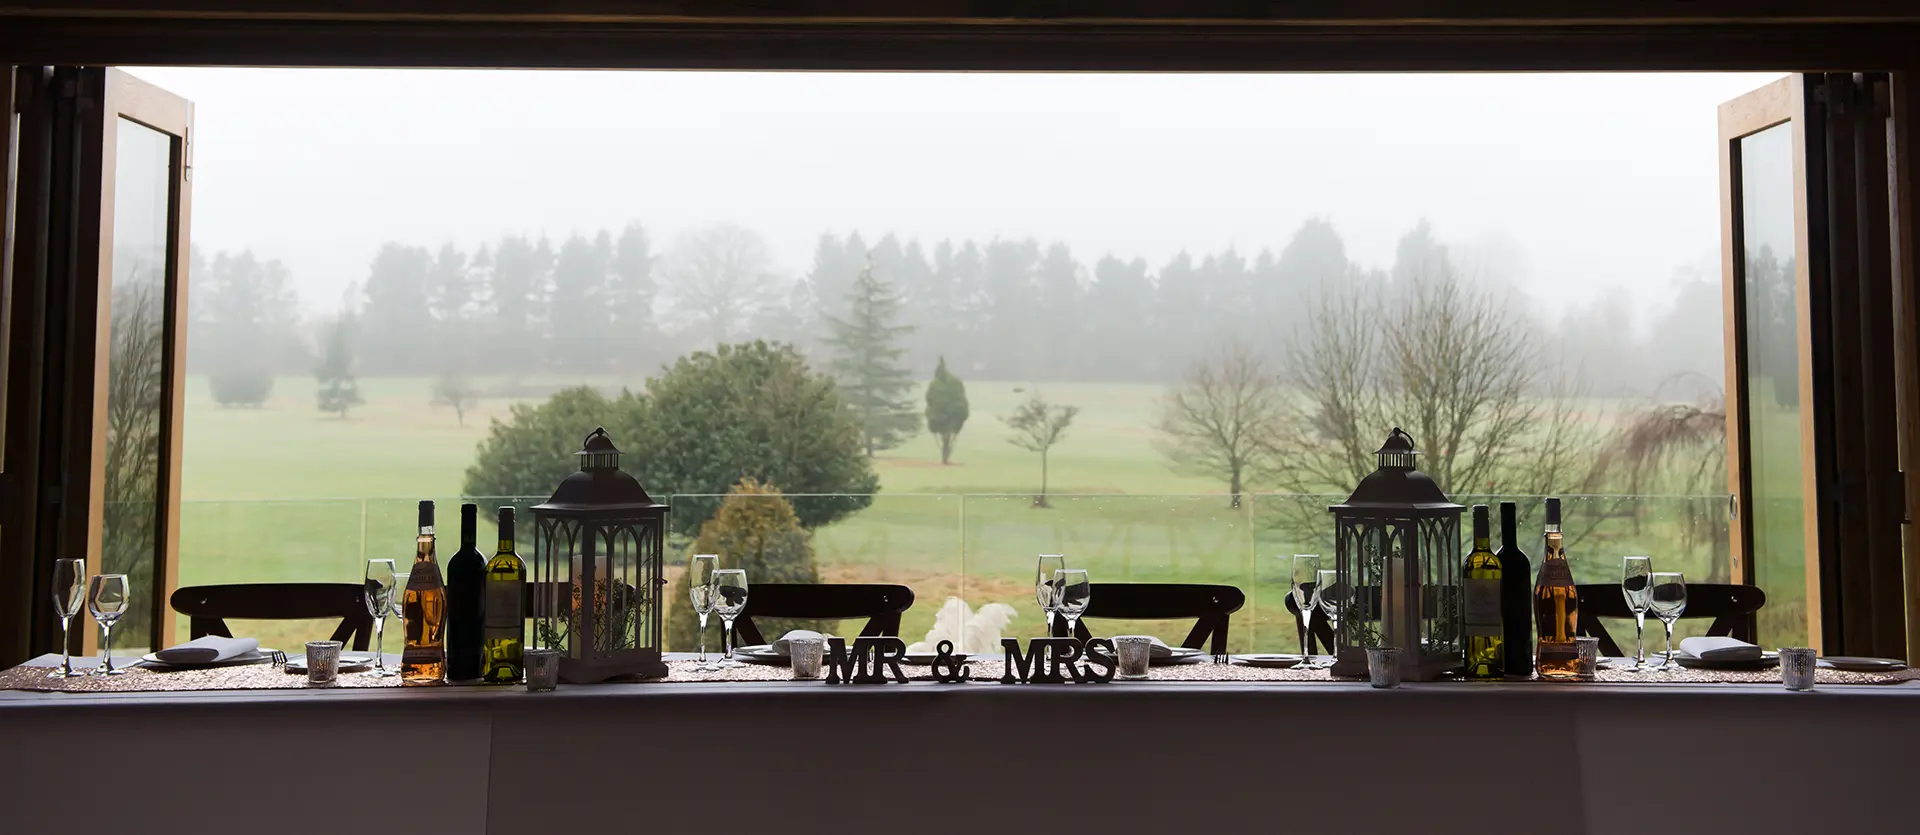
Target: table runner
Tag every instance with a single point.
(265, 677)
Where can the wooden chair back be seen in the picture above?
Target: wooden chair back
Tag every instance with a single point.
(1208, 605)
(881, 604)
(1734, 609)
(208, 607)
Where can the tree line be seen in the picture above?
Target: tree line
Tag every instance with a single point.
(617, 302)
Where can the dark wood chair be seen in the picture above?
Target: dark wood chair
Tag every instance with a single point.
(881, 604)
(1208, 605)
(1734, 610)
(208, 607)
(1320, 642)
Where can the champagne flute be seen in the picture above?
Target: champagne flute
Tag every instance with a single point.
(1043, 589)
(1074, 593)
(379, 596)
(1302, 588)
(730, 596)
(69, 593)
(107, 601)
(1669, 601)
(1331, 595)
(700, 589)
(1636, 583)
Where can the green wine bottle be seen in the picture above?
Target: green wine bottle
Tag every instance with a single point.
(1485, 633)
(505, 625)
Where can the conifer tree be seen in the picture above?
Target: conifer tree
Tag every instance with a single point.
(338, 390)
(867, 361)
(946, 408)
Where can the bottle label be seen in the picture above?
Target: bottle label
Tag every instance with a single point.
(431, 654)
(425, 575)
(1483, 608)
(503, 606)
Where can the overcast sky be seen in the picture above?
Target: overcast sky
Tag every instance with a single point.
(1574, 184)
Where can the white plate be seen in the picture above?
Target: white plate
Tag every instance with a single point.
(257, 656)
(1857, 664)
(1181, 655)
(761, 654)
(1276, 662)
(348, 661)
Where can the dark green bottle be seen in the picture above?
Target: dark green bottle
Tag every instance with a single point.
(466, 582)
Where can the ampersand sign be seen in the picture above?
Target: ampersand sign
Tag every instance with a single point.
(946, 668)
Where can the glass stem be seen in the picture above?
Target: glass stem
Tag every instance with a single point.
(1049, 623)
(1306, 631)
(380, 643)
(66, 659)
(1639, 642)
(726, 636)
(703, 637)
(1669, 661)
(106, 647)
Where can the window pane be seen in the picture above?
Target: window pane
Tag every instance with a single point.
(1773, 383)
(135, 369)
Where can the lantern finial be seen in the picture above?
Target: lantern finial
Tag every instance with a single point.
(598, 452)
(1397, 452)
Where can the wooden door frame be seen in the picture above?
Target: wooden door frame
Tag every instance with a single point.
(122, 96)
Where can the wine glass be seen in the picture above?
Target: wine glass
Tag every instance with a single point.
(107, 601)
(379, 597)
(1302, 588)
(1074, 592)
(1043, 590)
(729, 597)
(1636, 583)
(700, 589)
(69, 593)
(1331, 595)
(1669, 601)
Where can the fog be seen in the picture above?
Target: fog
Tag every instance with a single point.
(1574, 187)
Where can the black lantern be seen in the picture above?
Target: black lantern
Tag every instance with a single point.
(598, 544)
(1397, 551)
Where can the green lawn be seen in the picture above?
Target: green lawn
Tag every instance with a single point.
(285, 493)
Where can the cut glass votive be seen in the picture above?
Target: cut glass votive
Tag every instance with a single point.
(323, 661)
(1383, 667)
(1797, 665)
(1134, 653)
(807, 655)
(1588, 654)
(543, 669)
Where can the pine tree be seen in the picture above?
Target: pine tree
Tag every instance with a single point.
(338, 391)
(868, 363)
(946, 408)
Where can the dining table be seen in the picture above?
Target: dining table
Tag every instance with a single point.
(1186, 752)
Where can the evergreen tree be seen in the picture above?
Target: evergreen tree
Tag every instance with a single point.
(338, 391)
(867, 362)
(946, 408)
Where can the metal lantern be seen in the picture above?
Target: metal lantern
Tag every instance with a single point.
(1397, 553)
(598, 544)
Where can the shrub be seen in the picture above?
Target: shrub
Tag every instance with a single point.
(755, 529)
(241, 388)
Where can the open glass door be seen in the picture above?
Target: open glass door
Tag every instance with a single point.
(135, 348)
(1770, 425)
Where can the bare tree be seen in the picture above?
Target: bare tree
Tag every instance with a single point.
(1040, 425)
(454, 389)
(1221, 419)
(1456, 367)
(719, 277)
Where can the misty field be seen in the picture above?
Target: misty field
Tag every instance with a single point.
(285, 493)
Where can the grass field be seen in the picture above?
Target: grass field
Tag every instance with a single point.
(284, 492)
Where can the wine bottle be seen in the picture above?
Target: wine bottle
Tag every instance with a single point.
(506, 628)
(466, 575)
(424, 604)
(1486, 638)
(1556, 606)
(1516, 597)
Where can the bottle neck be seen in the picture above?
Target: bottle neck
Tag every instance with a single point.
(506, 545)
(1506, 528)
(423, 546)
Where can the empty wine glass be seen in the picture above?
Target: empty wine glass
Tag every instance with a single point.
(1074, 592)
(379, 595)
(1669, 591)
(1043, 590)
(107, 601)
(69, 593)
(1331, 595)
(1636, 583)
(700, 589)
(729, 597)
(1301, 587)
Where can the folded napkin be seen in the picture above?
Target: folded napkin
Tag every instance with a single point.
(780, 647)
(206, 650)
(1159, 649)
(1720, 649)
